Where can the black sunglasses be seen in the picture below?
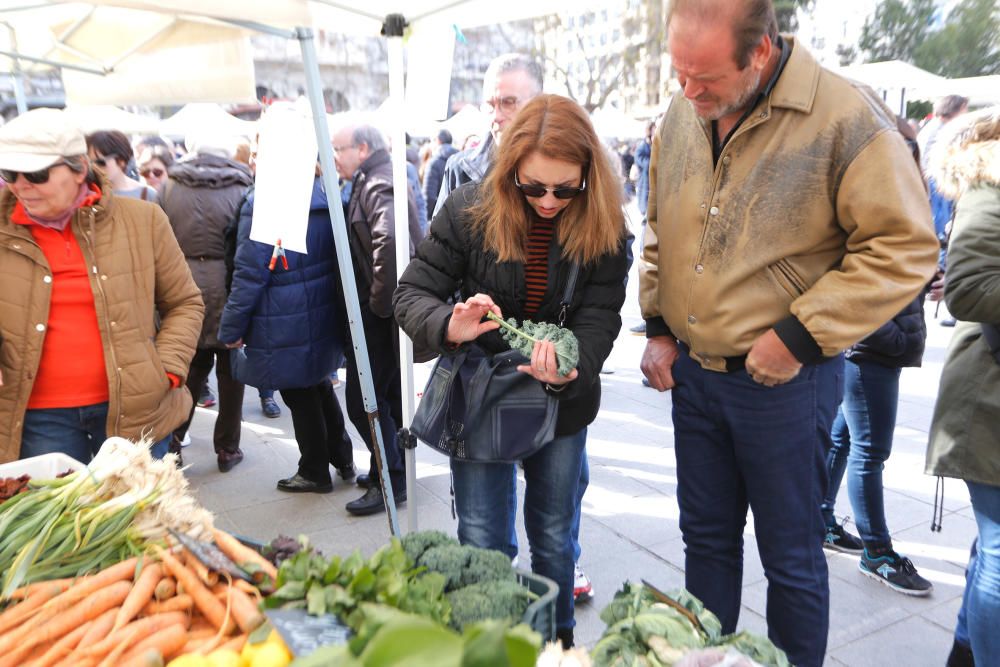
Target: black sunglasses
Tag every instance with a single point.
(36, 177)
(540, 190)
(155, 171)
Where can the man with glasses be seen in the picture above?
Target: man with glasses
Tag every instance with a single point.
(511, 81)
(362, 158)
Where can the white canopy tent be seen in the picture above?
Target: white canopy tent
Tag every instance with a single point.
(895, 79)
(87, 44)
(206, 118)
(106, 117)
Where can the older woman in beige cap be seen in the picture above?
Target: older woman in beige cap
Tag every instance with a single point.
(84, 275)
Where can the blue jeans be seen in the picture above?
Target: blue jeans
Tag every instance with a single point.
(977, 619)
(742, 445)
(76, 432)
(862, 441)
(551, 477)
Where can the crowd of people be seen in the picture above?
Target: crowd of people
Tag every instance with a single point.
(792, 228)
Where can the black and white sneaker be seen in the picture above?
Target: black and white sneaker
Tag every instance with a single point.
(838, 539)
(895, 571)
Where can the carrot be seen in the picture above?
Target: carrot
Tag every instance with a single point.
(207, 577)
(245, 611)
(240, 554)
(176, 603)
(194, 644)
(236, 643)
(83, 588)
(248, 588)
(166, 588)
(63, 647)
(166, 643)
(141, 593)
(30, 604)
(29, 589)
(134, 632)
(67, 620)
(99, 629)
(209, 605)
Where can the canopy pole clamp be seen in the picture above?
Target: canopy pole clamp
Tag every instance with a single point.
(394, 25)
(406, 439)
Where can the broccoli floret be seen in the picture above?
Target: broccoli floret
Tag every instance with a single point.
(501, 600)
(488, 565)
(449, 560)
(415, 544)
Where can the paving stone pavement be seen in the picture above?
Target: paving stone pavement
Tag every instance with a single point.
(629, 528)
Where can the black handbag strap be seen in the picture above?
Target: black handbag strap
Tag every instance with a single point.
(567, 299)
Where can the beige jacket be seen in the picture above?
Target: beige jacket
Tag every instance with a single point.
(814, 219)
(137, 271)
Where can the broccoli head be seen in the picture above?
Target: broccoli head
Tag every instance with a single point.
(487, 565)
(500, 600)
(449, 560)
(415, 544)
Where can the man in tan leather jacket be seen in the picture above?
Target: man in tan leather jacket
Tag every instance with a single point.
(787, 221)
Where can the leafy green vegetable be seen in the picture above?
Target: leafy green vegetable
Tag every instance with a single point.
(417, 542)
(523, 339)
(489, 600)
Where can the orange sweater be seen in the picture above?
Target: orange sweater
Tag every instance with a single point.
(71, 372)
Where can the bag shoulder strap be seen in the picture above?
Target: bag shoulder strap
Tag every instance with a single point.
(567, 299)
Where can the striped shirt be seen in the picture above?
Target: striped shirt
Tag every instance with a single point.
(536, 268)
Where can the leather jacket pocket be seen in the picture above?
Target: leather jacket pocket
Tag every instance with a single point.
(787, 278)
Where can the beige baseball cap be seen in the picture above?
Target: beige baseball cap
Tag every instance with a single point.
(38, 139)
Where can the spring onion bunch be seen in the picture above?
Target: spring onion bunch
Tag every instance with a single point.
(523, 339)
(95, 517)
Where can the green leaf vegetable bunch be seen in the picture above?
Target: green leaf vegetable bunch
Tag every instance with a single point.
(523, 340)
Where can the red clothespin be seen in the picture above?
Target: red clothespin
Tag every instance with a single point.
(278, 252)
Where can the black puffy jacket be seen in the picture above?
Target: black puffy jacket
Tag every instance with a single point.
(898, 343)
(452, 258)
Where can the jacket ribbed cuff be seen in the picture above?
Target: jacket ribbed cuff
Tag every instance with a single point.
(656, 326)
(798, 340)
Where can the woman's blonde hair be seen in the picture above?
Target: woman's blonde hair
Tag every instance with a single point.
(592, 224)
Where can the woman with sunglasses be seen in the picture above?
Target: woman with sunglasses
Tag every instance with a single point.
(111, 152)
(153, 163)
(507, 245)
(85, 273)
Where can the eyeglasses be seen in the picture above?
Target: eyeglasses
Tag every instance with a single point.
(103, 160)
(341, 149)
(155, 172)
(35, 177)
(531, 190)
(506, 104)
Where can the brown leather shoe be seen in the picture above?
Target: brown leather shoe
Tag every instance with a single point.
(229, 460)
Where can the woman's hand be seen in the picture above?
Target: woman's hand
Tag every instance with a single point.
(466, 319)
(544, 366)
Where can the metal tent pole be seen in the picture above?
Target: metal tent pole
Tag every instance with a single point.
(315, 90)
(393, 31)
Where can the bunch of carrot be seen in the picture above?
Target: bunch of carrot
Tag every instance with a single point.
(139, 612)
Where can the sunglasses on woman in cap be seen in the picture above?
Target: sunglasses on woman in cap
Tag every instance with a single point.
(36, 177)
(155, 172)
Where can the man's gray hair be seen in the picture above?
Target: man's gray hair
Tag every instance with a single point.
(512, 62)
(370, 136)
(950, 105)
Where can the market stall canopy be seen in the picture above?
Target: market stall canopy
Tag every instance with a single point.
(206, 119)
(981, 90)
(891, 75)
(610, 122)
(103, 117)
(468, 121)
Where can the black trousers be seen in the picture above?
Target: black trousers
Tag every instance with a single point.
(227, 424)
(319, 430)
(380, 336)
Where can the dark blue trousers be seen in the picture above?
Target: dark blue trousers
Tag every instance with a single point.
(741, 445)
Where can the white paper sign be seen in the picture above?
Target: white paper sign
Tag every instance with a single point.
(286, 168)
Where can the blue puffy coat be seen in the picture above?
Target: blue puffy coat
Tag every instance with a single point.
(292, 321)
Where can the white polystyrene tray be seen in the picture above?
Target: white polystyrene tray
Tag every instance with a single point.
(46, 466)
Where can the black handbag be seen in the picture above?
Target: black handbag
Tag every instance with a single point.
(479, 407)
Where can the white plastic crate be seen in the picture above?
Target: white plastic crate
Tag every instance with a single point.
(46, 466)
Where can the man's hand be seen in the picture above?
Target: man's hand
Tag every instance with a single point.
(231, 346)
(769, 362)
(466, 319)
(936, 292)
(1, 379)
(657, 361)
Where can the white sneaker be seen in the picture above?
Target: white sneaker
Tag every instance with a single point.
(583, 590)
(186, 441)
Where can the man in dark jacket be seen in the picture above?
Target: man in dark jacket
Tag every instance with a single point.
(435, 168)
(361, 155)
(200, 197)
